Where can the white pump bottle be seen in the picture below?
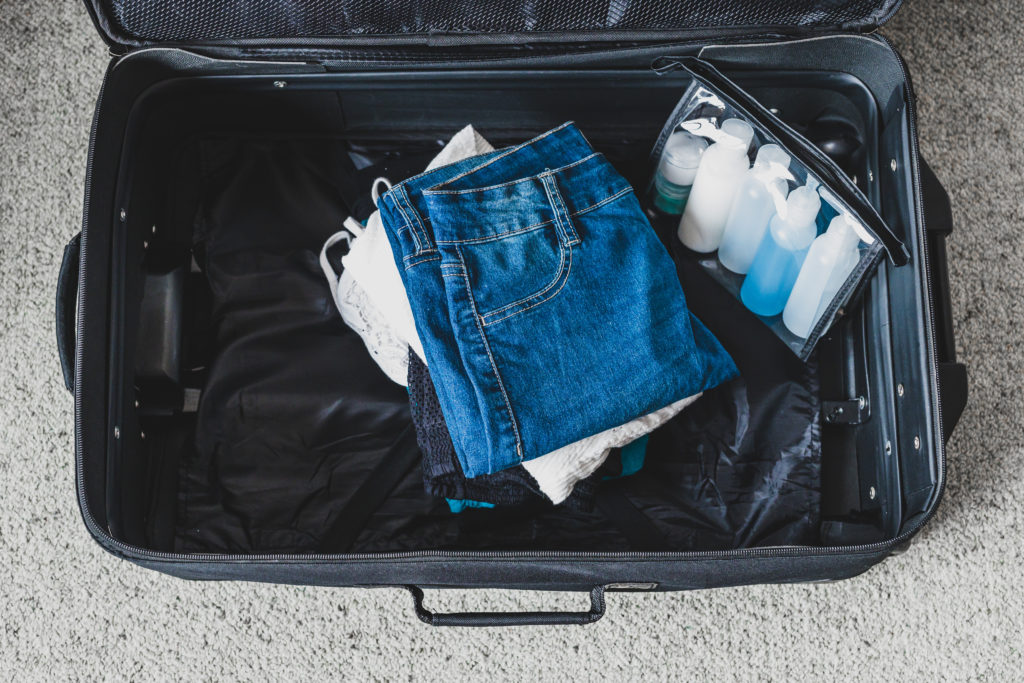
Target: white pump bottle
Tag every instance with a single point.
(763, 189)
(830, 260)
(714, 187)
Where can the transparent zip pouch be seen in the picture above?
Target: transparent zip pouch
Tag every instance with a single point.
(766, 213)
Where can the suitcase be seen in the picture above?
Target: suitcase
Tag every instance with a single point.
(192, 89)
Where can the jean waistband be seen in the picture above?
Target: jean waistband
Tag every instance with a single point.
(484, 213)
(406, 204)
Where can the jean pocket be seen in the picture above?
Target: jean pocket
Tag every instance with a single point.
(511, 274)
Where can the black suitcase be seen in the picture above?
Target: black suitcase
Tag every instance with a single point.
(190, 84)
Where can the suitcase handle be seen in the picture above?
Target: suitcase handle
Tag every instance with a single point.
(67, 304)
(510, 618)
(938, 219)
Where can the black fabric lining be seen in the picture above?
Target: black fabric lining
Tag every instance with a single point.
(642, 533)
(296, 418)
(390, 469)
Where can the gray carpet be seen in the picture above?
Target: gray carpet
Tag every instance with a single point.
(950, 608)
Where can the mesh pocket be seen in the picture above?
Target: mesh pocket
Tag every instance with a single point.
(194, 20)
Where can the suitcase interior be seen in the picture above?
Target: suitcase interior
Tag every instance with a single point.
(243, 417)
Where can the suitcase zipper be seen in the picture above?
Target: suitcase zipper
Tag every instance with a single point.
(128, 551)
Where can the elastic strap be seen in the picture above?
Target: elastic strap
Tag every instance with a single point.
(333, 278)
(351, 229)
(373, 189)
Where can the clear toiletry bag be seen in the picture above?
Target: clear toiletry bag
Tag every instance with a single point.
(764, 211)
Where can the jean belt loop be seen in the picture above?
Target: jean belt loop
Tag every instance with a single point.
(424, 243)
(563, 223)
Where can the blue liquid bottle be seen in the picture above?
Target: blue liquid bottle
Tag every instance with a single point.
(777, 263)
(754, 207)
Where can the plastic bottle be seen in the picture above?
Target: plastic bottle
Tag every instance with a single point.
(753, 208)
(714, 188)
(782, 251)
(830, 260)
(678, 168)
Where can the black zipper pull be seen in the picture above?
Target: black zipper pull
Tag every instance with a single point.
(666, 65)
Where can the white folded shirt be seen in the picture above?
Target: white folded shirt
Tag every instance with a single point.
(558, 471)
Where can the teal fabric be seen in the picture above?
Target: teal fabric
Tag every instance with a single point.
(457, 506)
(632, 456)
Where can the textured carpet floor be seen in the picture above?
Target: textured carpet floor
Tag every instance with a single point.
(951, 608)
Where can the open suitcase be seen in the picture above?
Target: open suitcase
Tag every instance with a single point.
(228, 426)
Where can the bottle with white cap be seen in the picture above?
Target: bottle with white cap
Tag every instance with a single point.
(781, 253)
(678, 168)
(714, 187)
(830, 260)
(763, 186)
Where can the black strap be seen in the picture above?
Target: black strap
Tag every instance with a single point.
(938, 218)
(390, 470)
(637, 527)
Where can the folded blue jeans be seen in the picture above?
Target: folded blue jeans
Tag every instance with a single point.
(442, 471)
(547, 307)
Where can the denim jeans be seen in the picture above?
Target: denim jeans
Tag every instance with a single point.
(442, 471)
(548, 309)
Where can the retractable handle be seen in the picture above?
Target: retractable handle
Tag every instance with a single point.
(511, 618)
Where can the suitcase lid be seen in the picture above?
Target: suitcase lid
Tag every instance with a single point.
(296, 24)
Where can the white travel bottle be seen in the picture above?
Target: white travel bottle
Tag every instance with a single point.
(830, 260)
(763, 189)
(714, 188)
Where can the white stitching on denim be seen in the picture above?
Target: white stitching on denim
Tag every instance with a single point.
(561, 217)
(410, 264)
(417, 261)
(570, 229)
(559, 230)
(606, 200)
(568, 271)
(486, 319)
(500, 235)
(558, 275)
(510, 182)
(424, 174)
(535, 226)
(399, 205)
(422, 238)
(490, 356)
